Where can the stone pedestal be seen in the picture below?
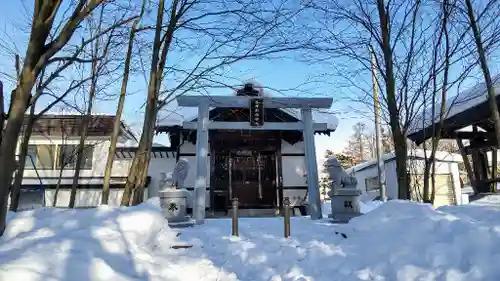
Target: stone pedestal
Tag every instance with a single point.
(345, 204)
(174, 203)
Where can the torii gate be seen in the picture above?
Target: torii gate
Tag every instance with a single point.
(203, 125)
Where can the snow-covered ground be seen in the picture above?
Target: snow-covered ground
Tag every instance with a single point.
(395, 241)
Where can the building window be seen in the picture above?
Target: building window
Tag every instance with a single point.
(372, 184)
(68, 156)
(41, 156)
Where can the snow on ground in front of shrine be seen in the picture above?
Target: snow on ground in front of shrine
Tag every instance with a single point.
(396, 241)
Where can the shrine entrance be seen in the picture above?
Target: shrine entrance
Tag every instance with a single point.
(205, 124)
(244, 166)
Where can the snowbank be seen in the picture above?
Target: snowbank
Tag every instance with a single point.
(396, 241)
(369, 206)
(492, 200)
(410, 241)
(95, 244)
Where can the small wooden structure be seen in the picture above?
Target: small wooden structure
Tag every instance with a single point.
(468, 121)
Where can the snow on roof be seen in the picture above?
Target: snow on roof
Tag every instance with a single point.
(133, 143)
(442, 156)
(465, 100)
(127, 143)
(75, 112)
(188, 113)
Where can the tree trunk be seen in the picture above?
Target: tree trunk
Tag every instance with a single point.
(119, 110)
(16, 187)
(38, 53)
(83, 136)
(486, 71)
(397, 133)
(88, 114)
(141, 180)
(58, 186)
(2, 110)
(138, 169)
(80, 153)
(9, 142)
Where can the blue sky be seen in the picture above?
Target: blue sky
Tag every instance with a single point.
(276, 74)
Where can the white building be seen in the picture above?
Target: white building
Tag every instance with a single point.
(447, 178)
(260, 165)
(52, 157)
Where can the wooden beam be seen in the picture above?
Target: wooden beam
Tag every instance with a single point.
(244, 101)
(481, 144)
(468, 167)
(476, 159)
(268, 126)
(472, 135)
(473, 147)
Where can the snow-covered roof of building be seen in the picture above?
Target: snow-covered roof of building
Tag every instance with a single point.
(442, 156)
(464, 109)
(68, 124)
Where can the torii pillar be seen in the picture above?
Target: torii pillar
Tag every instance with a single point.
(311, 165)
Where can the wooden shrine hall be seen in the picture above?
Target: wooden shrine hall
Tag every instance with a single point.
(468, 121)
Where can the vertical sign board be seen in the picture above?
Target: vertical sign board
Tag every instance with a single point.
(256, 112)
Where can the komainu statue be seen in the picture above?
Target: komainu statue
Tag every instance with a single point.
(173, 196)
(180, 173)
(344, 195)
(177, 177)
(339, 177)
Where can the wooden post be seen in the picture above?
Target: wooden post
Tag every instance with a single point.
(235, 217)
(494, 164)
(279, 178)
(286, 205)
(468, 166)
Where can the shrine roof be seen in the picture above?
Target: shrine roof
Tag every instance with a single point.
(243, 101)
(235, 108)
(469, 107)
(441, 156)
(283, 114)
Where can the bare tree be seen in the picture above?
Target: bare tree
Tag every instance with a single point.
(430, 162)
(449, 45)
(119, 109)
(65, 158)
(216, 35)
(403, 35)
(397, 31)
(481, 52)
(358, 147)
(30, 121)
(40, 50)
(86, 117)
